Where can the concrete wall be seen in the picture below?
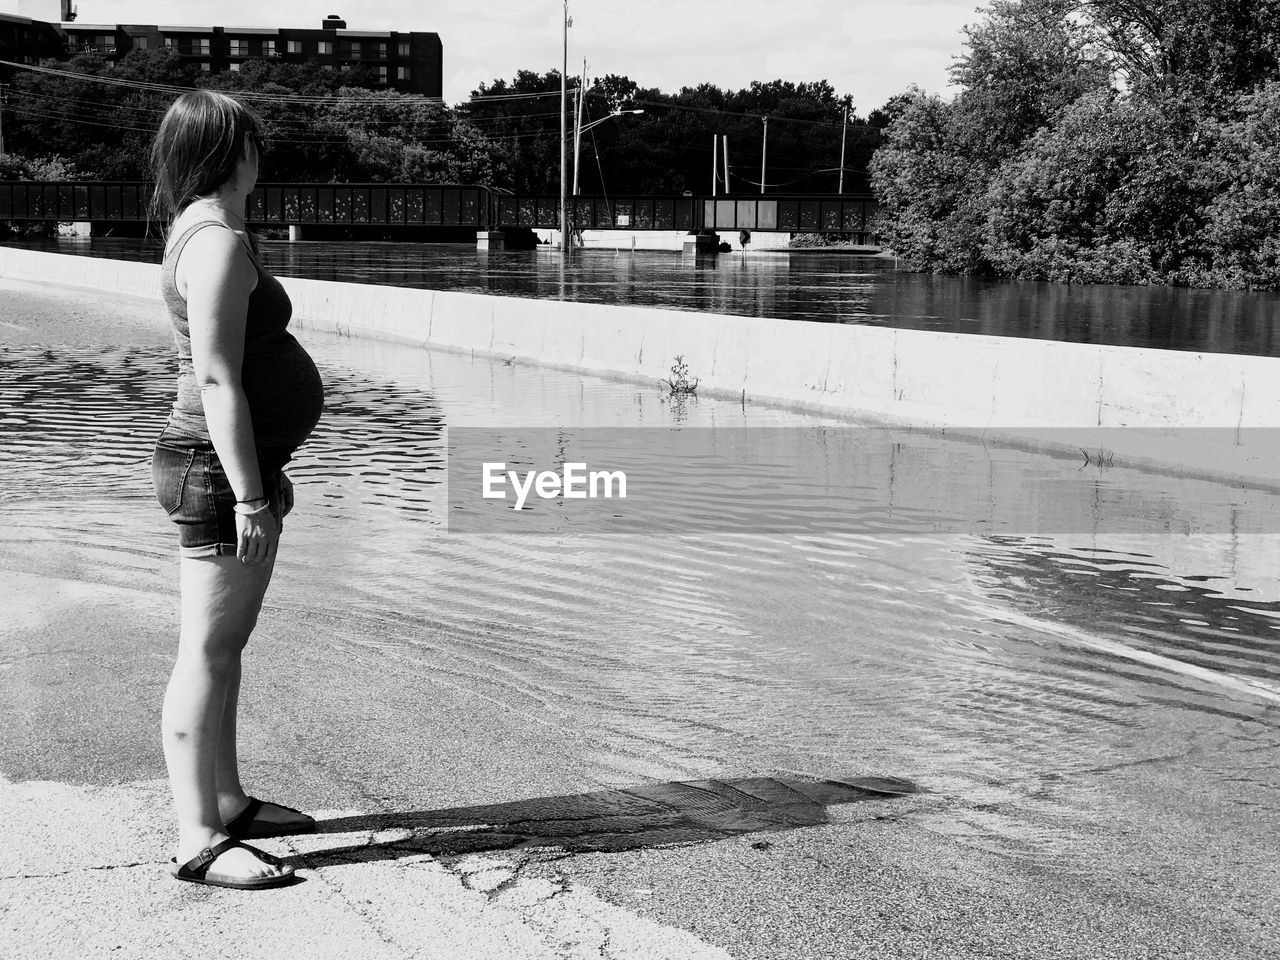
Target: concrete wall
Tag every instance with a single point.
(1198, 413)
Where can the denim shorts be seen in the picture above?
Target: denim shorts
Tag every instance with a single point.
(194, 491)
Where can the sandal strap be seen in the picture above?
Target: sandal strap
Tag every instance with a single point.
(198, 866)
(262, 855)
(244, 819)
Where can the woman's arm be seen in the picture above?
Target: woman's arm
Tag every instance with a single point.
(218, 278)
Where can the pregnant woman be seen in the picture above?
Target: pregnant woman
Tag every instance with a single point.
(248, 396)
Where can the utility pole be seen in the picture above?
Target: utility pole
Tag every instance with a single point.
(564, 136)
(1, 120)
(725, 154)
(577, 126)
(764, 151)
(844, 129)
(715, 163)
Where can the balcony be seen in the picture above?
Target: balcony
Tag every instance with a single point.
(72, 48)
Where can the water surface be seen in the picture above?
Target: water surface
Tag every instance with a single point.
(1090, 705)
(806, 286)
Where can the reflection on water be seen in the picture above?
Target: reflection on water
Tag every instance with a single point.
(818, 287)
(950, 660)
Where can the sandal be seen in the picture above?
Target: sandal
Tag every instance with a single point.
(196, 870)
(246, 826)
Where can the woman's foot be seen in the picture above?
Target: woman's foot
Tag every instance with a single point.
(219, 860)
(256, 818)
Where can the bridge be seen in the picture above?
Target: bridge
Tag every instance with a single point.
(454, 207)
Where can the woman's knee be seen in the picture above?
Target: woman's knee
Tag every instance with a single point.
(216, 656)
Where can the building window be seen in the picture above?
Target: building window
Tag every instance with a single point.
(141, 43)
(324, 47)
(402, 73)
(268, 48)
(293, 46)
(205, 66)
(349, 49)
(403, 48)
(382, 74)
(195, 47)
(233, 67)
(381, 53)
(239, 48)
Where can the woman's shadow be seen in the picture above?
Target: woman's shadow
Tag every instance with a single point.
(631, 818)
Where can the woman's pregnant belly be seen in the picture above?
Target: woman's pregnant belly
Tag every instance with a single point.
(284, 390)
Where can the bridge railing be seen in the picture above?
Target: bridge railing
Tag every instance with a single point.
(371, 204)
(455, 206)
(599, 213)
(795, 214)
(375, 204)
(68, 201)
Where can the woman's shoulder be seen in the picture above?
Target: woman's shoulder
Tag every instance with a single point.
(218, 253)
(183, 230)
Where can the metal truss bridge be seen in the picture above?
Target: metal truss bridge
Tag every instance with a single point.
(427, 206)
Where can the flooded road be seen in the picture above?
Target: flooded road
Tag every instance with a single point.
(1101, 710)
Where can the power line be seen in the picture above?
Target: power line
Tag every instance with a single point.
(259, 96)
(79, 118)
(776, 117)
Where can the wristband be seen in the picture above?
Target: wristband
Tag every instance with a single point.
(252, 499)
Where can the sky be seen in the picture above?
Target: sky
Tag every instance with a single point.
(867, 49)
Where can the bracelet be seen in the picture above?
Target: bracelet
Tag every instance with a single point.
(266, 505)
(252, 500)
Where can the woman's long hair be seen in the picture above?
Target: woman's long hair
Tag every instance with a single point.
(197, 147)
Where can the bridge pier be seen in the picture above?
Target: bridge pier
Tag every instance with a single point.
(295, 232)
(702, 243)
(490, 240)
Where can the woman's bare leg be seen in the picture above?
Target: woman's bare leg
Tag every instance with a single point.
(231, 795)
(221, 597)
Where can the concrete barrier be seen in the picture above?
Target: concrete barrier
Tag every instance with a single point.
(1199, 414)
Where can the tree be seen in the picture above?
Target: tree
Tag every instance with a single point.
(1114, 192)
(1242, 232)
(1024, 63)
(930, 187)
(1211, 48)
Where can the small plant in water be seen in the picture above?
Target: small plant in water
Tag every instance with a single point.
(1099, 458)
(679, 383)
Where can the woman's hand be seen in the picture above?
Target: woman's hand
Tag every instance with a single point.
(286, 495)
(256, 536)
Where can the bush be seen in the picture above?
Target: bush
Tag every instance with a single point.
(1113, 192)
(1242, 230)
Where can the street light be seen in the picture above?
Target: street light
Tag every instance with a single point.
(577, 139)
(596, 123)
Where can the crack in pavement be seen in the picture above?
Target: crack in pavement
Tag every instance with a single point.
(86, 869)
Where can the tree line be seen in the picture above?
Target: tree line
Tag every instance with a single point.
(93, 120)
(1114, 141)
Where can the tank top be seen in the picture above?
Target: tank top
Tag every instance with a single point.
(280, 382)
